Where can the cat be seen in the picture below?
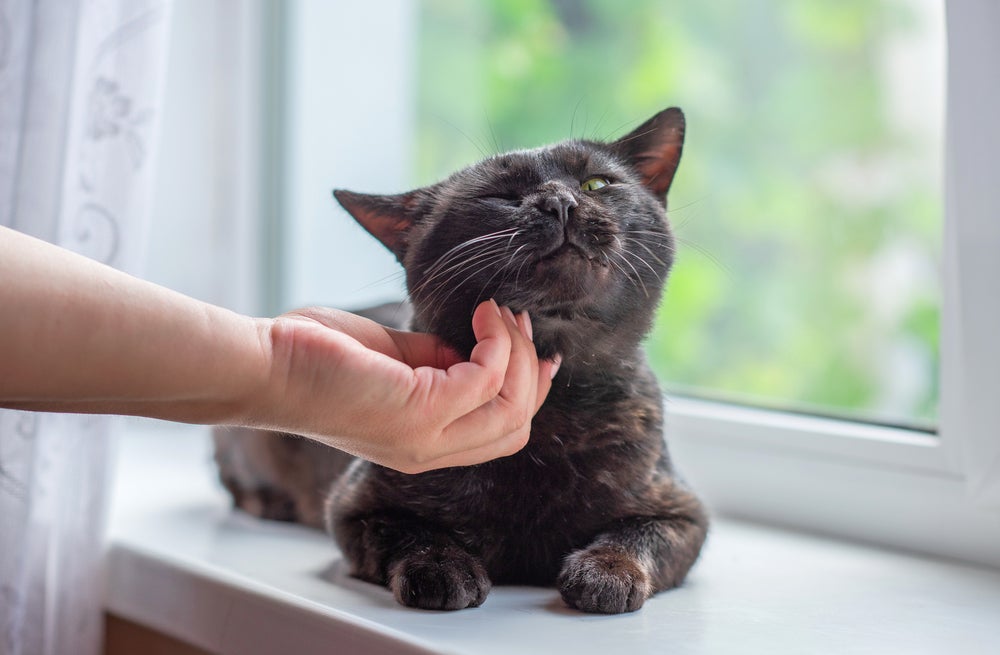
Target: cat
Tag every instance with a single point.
(576, 234)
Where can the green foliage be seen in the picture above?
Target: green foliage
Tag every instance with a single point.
(799, 193)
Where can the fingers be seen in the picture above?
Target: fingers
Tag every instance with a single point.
(509, 443)
(412, 348)
(468, 385)
(547, 369)
(504, 446)
(417, 349)
(500, 425)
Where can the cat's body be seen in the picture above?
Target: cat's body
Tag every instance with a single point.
(576, 235)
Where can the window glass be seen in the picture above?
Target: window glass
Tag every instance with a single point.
(808, 204)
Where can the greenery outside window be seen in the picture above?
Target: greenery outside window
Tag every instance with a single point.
(809, 201)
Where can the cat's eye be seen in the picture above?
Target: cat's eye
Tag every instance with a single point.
(594, 183)
(502, 199)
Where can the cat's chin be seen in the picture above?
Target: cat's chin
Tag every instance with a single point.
(568, 274)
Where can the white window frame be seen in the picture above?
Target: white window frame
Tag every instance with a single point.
(892, 486)
(884, 485)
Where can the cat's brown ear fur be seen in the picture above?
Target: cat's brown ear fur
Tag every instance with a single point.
(654, 149)
(387, 218)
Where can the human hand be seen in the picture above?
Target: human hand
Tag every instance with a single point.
(403, 399)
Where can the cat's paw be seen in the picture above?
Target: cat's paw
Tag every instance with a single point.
(439, 579)
(604, 581)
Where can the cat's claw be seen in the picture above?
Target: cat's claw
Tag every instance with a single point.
(445, 579)
(604, 581)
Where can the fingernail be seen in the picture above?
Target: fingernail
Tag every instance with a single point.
(556, 363)
(496, 307)
(528, 332)
(510, 316)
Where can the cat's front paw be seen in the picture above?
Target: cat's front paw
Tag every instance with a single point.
(439, 579)
(604, 581)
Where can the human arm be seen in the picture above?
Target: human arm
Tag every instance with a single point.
(78, 336)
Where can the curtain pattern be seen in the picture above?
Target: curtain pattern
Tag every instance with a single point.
(80, 86)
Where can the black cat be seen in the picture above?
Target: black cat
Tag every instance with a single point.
(576, 234)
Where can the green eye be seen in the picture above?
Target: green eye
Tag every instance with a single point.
(594, 183)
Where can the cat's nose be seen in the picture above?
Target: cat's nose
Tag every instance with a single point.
(559, 204)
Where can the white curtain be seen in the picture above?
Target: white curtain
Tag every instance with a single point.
(80, 86)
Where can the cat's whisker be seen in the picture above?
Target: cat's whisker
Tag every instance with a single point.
(476, 144)
(701, 249)
(638, 277)
(449, 289)
(485, 250)
(617, 266)
(667, 244)
(444, 291)
(486, 284)
(467, 257)
(463, 252)
(625, 252)
(673, 248)
(639, 243)
(481, 258)
(572, 120)
(674, 210)
(704, 252)
(517, 274)
(398, 275)
(600, 121)
(456, 250)
(497, 148)
(514, 256)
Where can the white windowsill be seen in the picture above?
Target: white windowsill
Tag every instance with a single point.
(182, 563)
(881, 485)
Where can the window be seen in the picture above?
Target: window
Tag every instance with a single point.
(346, 100)
(808, 204)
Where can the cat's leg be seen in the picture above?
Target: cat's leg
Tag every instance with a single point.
(420, 563)
(264, 502)
(631, 561)
(244, 470)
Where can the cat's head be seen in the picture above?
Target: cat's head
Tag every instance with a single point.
(575, 233)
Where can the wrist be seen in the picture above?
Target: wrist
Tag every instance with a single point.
(247, 394)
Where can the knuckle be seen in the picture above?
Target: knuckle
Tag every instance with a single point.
(494, 383)
(412, 463)
(410, 468)
(517, 441)
(522, 417)
(411, 454)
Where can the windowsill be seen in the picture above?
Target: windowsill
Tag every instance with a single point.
(181, 562)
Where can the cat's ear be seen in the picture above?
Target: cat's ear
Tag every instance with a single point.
(654, 149)
(388, 218)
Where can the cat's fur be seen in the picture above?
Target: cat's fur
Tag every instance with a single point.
(591, 504)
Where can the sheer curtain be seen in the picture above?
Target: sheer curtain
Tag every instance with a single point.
(80, 86)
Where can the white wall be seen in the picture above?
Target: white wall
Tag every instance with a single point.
(244, 215)
(348, 121)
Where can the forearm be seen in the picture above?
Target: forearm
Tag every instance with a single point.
(79, 336)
